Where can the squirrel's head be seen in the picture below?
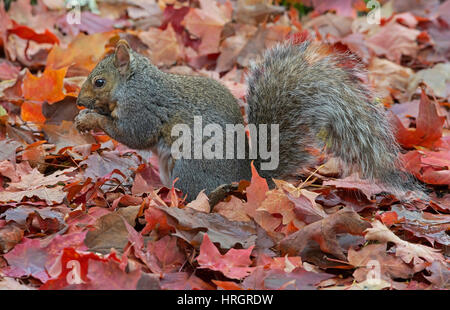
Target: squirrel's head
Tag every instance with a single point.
(97, 91)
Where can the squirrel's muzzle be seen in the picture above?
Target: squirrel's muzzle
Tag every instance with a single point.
(85, 102)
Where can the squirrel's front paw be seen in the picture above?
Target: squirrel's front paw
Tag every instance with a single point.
(86, 120)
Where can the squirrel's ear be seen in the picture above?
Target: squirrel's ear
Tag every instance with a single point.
(122, 57)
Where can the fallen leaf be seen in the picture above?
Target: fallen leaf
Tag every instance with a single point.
(207, 23)
(110, 231)
(394, 40)
(27, 259)
(201, 203)
(78, 59)
(389, 267)
(234, 264)
(324, 233)
(65, 135)
(408, 252)
(192, 224)
(164, 48)
(47, 87)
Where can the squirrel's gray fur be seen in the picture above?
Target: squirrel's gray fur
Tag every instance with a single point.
(313, 97)
(320, 101)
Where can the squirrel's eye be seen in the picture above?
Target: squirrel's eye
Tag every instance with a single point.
(99, 82)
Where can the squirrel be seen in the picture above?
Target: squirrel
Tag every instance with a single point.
(313, 95)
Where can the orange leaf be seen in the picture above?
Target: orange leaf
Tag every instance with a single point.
(48, 87)
(389, 218)
(32, 112)
(227, 285)
(256, 192)
(82, 54)
(29, 34)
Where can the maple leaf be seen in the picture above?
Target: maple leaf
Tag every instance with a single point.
(277, 279)
(27, 259)
(35, 184)
(8, 149)
(156, 219)
(80, 219)
(286, 263)
(391, 267)
(175, 17)
(192, 223)
(10, 235)
(109, 276)
(436, 78)
(100, 164)
(13, 171)
(256, 194)
(88, 23)
(29, 34)
(305, 206)
(164, 48)
(368, 187)
(234, 210)
(83, 270)
(440, 274)
(201, 203)
(48, 87)
(183, 281)
(48, 219)
(388, 76)
(78, 59)
(428, 126)
(8, 71)
(324, 233)
(169, 256)
(430, 226)
(65, 135)
(231, 47)
(110, 230)
(331, 25)
(394, 40)
(234, 264)
(277, 202)
(207, 23)
(407, 251)
(252, 12)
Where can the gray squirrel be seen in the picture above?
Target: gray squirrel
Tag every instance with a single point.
(312, 95)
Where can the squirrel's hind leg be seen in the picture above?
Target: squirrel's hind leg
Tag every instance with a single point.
(195, 175)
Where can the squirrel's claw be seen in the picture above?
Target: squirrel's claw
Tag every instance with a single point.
(83, 121)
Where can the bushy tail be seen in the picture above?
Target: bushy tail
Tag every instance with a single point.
(318, 99)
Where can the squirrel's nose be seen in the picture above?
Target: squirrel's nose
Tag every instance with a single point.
(80, 102)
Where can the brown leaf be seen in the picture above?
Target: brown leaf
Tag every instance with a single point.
(8, 149)
(440, 274)
(407, 251)
(164, 48)
(110, 230)
(391, 267)
(234, 210)
(65, 135)
(192, 224)
(324, 233)
(10, 235)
